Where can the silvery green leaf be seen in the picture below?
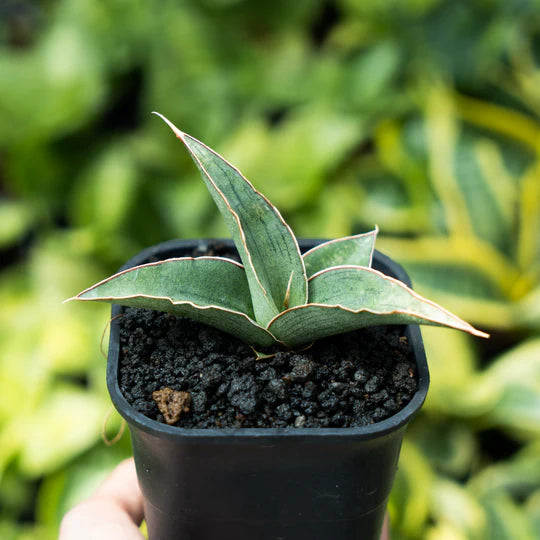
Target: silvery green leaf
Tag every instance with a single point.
(514, 378)
(346, 298)
(270, 253)
(211, 290)
(352, 250)
(506, 519)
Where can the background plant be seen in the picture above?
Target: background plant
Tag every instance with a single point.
(421, 116)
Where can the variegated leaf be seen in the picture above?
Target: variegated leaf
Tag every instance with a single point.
(346, 298)
(211, 290)
(352, 250)
(267, 246)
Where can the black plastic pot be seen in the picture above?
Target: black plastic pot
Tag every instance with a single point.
(258, 484)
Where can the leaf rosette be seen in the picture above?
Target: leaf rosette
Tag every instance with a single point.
(277, 296)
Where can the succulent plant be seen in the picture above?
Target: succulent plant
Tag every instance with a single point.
(277, 296)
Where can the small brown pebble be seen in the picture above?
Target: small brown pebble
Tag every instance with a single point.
(411, 372)
(172, 403)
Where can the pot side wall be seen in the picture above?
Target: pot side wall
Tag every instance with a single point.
(258, 488)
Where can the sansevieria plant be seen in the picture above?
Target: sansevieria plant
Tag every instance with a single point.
(277, 296)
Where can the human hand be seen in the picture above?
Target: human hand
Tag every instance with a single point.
(114, 512)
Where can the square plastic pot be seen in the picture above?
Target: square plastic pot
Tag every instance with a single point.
(262, 484)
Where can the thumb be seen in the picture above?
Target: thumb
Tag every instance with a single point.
(114, 512)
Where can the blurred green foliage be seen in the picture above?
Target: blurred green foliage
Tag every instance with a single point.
(422, 116)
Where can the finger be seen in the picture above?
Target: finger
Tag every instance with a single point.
(385, 534)
(112, 513)
(122, 488)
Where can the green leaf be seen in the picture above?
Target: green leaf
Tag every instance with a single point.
(449, 446)
(518, 476)
(528, 312)
(211, 290)
(410, 498)
(352, 250)
(67, 423)
(105, 192)
(293, 159)
(528, 253)
(487, 188)
(348, 297)
(267, 246)
(532, 509)
(442, 125)
(453, 504)
(514, 377)
(17, 218)
(505, 519)
(455, 391)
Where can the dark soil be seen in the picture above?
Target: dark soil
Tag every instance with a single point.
(354, 379)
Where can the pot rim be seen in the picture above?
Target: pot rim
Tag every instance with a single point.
(372, 431)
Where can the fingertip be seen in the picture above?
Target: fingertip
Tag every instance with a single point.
(122, 487)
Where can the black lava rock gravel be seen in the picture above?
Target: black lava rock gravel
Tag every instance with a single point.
(349, 380)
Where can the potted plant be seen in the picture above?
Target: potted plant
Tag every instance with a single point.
(262, 471)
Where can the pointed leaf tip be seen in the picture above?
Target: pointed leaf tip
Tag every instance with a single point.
(180, 134)
(350, 250)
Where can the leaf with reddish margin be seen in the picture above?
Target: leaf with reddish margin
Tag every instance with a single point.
(211, 290)
(352, 250)
(346, 298)
(270, 253)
